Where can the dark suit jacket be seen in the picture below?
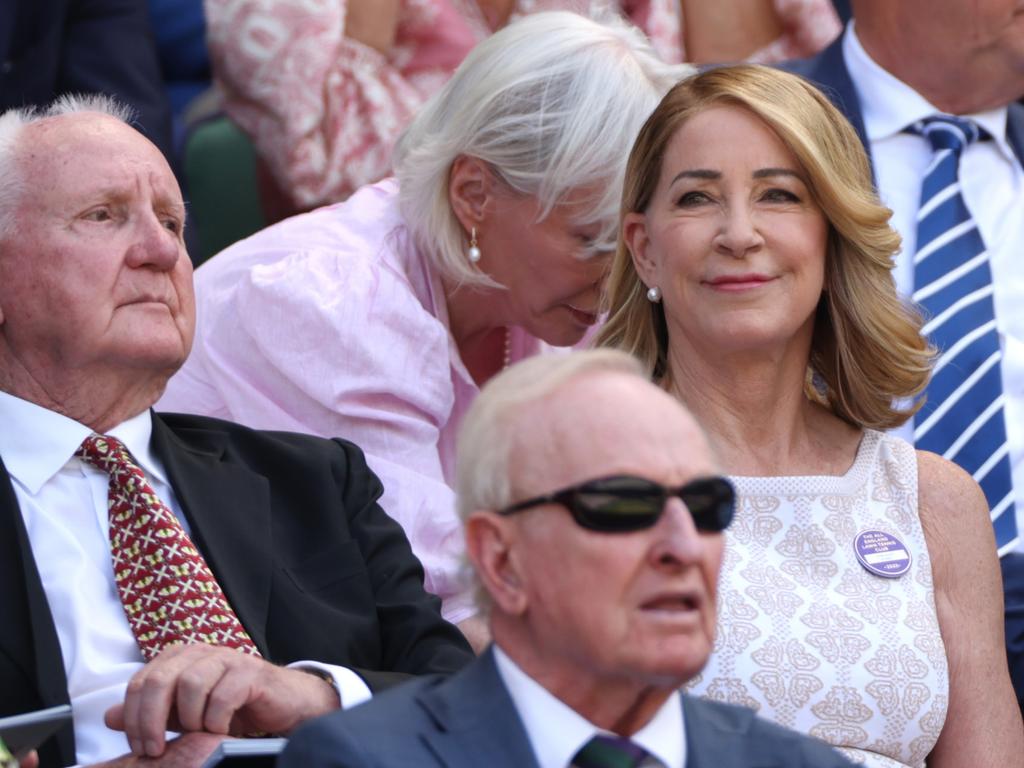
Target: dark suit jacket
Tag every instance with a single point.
(53, 47)
(469, 721)
(828, 71)
(291, 528)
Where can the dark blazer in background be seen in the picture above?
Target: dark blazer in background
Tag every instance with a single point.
(469, 721)
(52, 47)
(291, 528)
(828, 71)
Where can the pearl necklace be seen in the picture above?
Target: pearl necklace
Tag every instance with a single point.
(506, 356)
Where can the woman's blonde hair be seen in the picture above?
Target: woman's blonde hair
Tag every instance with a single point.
(867, 346)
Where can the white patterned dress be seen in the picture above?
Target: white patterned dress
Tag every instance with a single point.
(813, 640)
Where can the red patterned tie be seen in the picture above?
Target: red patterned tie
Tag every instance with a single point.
(169, 594)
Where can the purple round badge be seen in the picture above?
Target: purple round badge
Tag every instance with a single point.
(882, 554)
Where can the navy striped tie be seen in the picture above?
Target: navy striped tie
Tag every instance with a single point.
(963, 417)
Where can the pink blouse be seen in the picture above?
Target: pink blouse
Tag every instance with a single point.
(324, 110)
(334, 323)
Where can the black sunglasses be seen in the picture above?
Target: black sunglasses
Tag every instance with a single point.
(628, 503)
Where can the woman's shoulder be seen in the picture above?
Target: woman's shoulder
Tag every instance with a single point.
(363, 228)
(944, 485)
(953, 511)
(356, 251)
(326, 275)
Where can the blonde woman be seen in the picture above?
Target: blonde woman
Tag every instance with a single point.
(860, 598)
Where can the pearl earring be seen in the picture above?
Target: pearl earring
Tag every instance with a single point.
(654, 294)
(474, 251)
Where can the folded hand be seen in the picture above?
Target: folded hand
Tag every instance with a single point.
(217, 690)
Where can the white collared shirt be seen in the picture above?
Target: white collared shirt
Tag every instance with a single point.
(63, 501)
(557, 732)
(992, 183)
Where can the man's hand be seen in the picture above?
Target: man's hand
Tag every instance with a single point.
(218, 690)
(188, 751)
(31, 760)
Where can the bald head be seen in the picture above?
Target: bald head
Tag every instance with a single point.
(605, 422)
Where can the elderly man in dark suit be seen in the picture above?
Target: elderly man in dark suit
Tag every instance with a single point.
(593, 518)
(923, 80)
(178, 558)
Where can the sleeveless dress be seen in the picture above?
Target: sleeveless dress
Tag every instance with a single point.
(809, 637)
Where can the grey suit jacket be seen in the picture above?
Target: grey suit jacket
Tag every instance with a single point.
(469, 721)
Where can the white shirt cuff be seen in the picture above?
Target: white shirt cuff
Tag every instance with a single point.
(352, 689)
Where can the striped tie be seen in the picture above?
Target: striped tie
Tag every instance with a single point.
(963, 417)
(604, 751)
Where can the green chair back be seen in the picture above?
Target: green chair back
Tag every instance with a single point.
(220, 171)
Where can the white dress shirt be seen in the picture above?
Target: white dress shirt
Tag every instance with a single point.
(63, 501)
(557, 732)
(992, 184)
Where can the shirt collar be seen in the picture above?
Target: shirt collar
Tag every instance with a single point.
(894, 105)
(557, 732)
(36, 443)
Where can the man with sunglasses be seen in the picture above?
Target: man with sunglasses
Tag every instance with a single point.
(593, 516)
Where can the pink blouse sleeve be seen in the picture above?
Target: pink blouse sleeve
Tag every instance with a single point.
(322, 109)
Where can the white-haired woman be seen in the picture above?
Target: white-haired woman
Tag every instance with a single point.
(378, 319)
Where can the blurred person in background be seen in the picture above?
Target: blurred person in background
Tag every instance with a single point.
(49, 48)
(324, 88)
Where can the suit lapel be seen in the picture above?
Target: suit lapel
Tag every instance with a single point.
(27, 634)
(704, 740)
(829, 71)
(227, 507)
(475, 720)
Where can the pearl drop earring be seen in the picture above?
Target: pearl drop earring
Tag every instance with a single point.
(474, 251)
(654, 294)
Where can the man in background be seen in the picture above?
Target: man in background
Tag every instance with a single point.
(593, 516)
